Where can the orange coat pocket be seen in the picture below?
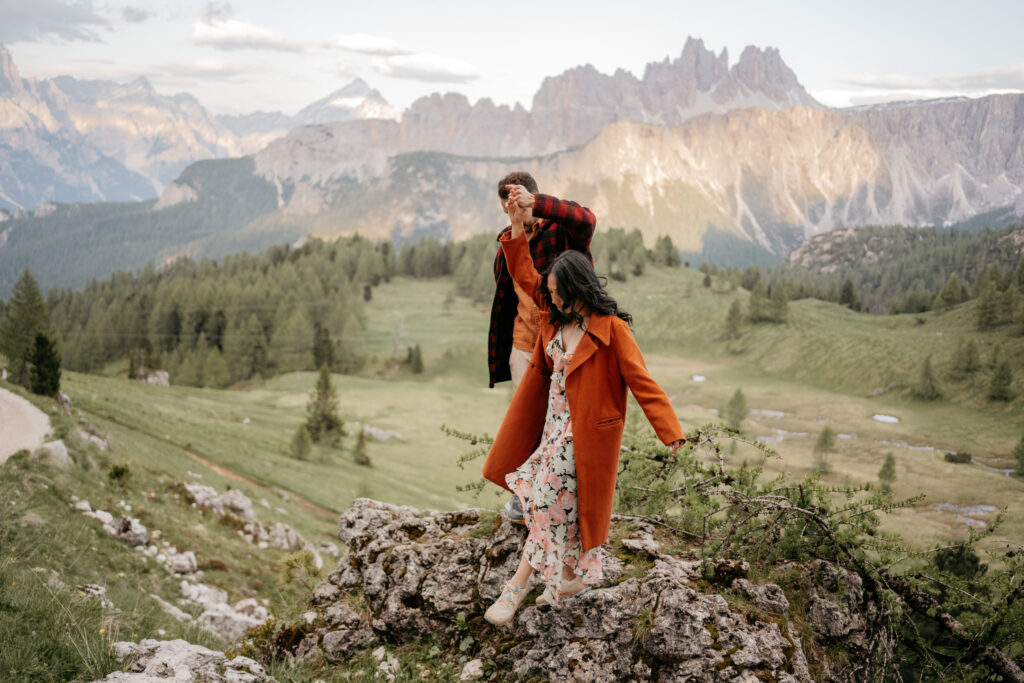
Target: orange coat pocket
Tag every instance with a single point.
(608, 422)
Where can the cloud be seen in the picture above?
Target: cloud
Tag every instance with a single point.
(205, 69)
(137, 15)
(39, 20)
(426, 67)
(370, 45)
(1002, 78)
(218, 28)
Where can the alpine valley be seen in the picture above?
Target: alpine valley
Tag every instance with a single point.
(696, 149)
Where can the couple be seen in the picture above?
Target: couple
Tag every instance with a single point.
(568, 349)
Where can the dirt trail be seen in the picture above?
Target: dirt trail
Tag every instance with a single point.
(223, 471)
(22, 425)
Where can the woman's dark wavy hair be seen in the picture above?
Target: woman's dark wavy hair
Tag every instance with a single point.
(577, 282)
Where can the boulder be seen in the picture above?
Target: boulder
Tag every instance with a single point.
(152, 661)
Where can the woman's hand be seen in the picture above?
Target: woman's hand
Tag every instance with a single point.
(516, 216)
(676, 444)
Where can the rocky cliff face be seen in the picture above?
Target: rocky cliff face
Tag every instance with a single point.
(570, 109)
(775, 177)
(659, 616)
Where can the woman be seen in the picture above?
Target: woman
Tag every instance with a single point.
(557, 448)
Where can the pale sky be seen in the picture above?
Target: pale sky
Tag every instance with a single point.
(271, 55)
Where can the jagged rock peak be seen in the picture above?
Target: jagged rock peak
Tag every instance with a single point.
(10, 79)
(355, 100)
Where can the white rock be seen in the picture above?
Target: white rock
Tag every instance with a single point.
(183, 563)
(473, 670)
(158, 378)
(57, 452)
(102, 516)
(203, 595)
(83, 505)
(171, 609)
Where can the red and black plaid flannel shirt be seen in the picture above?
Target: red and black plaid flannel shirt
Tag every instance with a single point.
(567, 225)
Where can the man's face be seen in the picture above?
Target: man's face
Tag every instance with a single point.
(504, 204)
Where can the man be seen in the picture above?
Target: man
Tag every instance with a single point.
(552, 226)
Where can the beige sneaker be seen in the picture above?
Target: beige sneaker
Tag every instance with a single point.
(566, 589)
(504, 608)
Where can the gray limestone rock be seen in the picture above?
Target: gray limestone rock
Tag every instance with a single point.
(153, 661)
(435, 573)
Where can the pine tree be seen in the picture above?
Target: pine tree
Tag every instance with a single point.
(757, 303)
(734, 320)
(847, 296)
(323, 349)
(887, 475)
(291, 347)
(926, 385)
(997, 356)
(322, 419)
(973, 357)
(216, 373)
(780, 302)
(26, 315)
(825, 444)
(301, 444)
(707, 279)
(1001, 387)
(416, 360)
(1018, 455)
(950, 294)
(988, 306)
(735, 411)
(359, 454)
(189, 372)
(45, 362)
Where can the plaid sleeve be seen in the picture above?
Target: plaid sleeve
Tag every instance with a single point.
(577, 221)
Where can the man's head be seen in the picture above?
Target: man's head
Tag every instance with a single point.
(516, 178)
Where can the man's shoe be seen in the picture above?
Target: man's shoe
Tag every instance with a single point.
(504, 608)
(514, 511)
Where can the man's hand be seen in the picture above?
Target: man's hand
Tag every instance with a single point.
(518, 194)
(676, 444)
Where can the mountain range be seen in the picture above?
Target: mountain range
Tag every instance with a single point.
(694, 149)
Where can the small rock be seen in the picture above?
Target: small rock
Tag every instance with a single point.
(83, 505)
(57, 453)
(473, 670)
(171, 609)
(183, 563)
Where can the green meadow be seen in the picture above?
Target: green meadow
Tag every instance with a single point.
(825, 366)
(819, 368)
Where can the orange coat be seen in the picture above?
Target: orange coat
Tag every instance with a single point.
(605, 362)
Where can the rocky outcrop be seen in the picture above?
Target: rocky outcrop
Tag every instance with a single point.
(658, 616)
(182, 662)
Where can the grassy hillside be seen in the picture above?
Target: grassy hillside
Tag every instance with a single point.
(77, 242)
(819, 368)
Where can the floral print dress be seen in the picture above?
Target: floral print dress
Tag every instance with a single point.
(546, 487)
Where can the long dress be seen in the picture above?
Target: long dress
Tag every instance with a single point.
(546, 487)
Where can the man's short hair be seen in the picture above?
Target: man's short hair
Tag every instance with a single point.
(516, 178)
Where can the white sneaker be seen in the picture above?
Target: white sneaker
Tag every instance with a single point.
(504, 608)
(566, 590)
